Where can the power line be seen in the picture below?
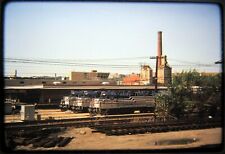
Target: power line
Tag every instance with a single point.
(135, 66)
(67, 63)
(81, 60)
(28, 61)
(33, 65)
(189, 62)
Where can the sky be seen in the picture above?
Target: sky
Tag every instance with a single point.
(59, 37)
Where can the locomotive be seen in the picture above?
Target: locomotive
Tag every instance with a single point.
(108, 102)
(112, 103)
(64, 104)
(78, 101)
(82, 101)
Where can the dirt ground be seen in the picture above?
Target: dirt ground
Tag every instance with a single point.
(85, 139)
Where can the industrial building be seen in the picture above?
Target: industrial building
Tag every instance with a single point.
(144, 78)
(164, 71)
(164, 76)
(146, 75)
(93, 75)
(51, 89)
(131, 79)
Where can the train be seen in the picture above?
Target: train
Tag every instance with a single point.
(109, 102)
(12, 106)
(77, 101)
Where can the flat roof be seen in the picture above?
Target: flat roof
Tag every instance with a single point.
(25, 87)
(84, 87)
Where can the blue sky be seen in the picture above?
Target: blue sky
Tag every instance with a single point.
(105, 33)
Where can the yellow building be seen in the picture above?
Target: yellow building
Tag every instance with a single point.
(146, 75)
(164, 72)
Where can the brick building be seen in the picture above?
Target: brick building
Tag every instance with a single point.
(93, 75)
(131, 79)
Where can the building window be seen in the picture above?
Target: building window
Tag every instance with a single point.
(21, 82)
(64, 82)
(43, 82)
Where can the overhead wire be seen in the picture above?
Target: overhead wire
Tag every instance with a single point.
(41, 62)
(67, 62)
(13, 60)
(71, 64)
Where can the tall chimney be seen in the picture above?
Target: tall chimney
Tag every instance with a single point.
(159, 47)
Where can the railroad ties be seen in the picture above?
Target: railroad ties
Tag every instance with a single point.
(142, 127)
(110, 125)
(38, 138)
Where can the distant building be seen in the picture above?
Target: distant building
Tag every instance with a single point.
(131, 79)
(164, 76)
(146, 75)
(208, 74)
(118, 78)
(164, 72)
(36, 90)
(24, 81)
(94, 75)
(144, 78)
(114, 75)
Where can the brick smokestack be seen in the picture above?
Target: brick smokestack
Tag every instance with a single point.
(159, 54)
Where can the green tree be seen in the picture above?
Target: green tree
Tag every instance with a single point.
(189, 90)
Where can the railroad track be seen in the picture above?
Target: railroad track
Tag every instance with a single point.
(81, 122)
(140, 128)
(121, 124)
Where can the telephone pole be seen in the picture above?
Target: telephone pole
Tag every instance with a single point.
(156, 71)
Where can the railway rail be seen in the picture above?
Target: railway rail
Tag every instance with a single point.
(121, 124)
(80, 122)
(140, 128)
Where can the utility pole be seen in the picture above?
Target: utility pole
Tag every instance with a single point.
(156, 71)
(15, 75)
(156, 80)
